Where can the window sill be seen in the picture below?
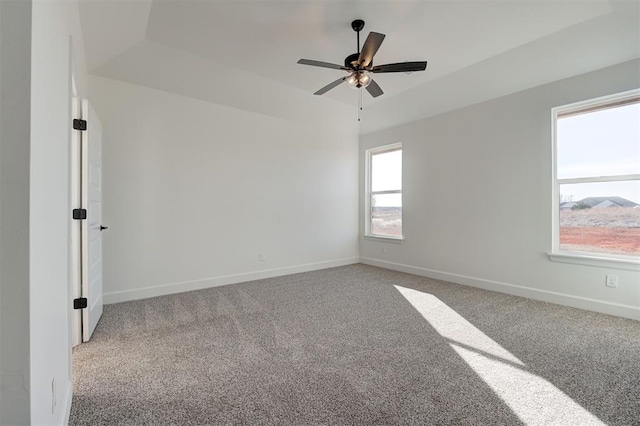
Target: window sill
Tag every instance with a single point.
(395, 240)
(595, 260)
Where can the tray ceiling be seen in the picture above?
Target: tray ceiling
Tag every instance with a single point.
(243, 53)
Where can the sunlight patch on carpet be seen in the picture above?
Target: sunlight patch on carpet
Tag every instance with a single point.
(532, 398)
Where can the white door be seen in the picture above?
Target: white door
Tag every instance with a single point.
(92, 226)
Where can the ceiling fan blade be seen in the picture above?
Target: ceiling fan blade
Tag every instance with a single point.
(400, 67)
(370, 47)
(374, 90)
(322, 64)
(330, 86)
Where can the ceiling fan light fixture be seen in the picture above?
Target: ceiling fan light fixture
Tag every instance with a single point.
(359, 79)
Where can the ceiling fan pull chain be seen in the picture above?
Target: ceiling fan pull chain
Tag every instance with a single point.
(359, 103)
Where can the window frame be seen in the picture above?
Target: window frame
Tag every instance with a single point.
(617, 261)
(369, 153)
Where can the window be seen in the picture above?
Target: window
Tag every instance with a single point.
(596, 197)
(384, 192)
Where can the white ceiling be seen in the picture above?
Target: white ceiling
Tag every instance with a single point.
(243, 53)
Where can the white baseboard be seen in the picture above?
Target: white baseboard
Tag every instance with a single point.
(625, 311)
(164, 289)
(66, 408)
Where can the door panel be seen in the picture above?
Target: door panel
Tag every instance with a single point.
(91, 231)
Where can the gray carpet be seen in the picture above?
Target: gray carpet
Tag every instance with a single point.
(346, 346)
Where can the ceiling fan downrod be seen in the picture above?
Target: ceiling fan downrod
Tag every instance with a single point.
(351, 60)
(357, 26)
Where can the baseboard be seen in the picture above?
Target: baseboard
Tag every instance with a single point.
(164, 289)
(625, 311)
(66, 408)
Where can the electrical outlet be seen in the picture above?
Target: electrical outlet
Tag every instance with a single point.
(612, 281)
(54, 401)
(261, 257)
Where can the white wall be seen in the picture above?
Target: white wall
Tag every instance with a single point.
(15, 83)
(477, 198)
(193, 191)
(54, 24)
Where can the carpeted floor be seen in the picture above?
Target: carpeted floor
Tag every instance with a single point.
(355, 345)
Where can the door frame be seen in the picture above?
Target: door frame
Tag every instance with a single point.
(75, 226)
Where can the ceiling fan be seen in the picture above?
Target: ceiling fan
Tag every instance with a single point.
(360, 65)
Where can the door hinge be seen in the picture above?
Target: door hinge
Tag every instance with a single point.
(80, 303)
(79, 214)
(79, 124)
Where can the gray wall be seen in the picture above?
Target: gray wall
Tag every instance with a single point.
(15, 84)
(194, 191)
(477, 198)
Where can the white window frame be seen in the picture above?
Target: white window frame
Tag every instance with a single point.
(369, 153)
(586, 258)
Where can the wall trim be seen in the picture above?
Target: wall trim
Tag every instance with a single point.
(625, 311)
(180, 287)
(68, 399)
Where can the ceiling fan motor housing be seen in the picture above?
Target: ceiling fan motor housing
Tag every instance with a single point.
(351, 61)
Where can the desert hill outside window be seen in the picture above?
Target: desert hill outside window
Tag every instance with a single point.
(384, 192)
(596, 200)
